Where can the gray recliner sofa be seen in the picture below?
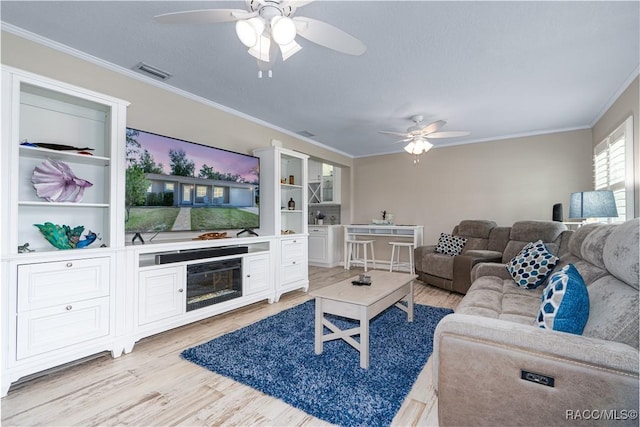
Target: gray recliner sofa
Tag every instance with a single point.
(494, 366)
(487, 242)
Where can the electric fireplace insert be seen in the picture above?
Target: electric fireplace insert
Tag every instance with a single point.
(213, 282)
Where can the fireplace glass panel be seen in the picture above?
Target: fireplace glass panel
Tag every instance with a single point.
(213, 282)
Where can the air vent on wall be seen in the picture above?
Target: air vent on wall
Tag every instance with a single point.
(152, 71)
(305, 133)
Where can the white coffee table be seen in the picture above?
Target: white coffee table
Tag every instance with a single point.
(360, 303)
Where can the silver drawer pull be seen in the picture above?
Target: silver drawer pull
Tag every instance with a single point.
(294, 262)
(68, 308)
(248, 275)
(180, 290)
(69, 264)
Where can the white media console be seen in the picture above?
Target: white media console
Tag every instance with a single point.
(175, 283)
(59, 306)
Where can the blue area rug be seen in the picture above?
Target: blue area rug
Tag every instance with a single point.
(276, 356)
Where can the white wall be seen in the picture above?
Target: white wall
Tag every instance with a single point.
(505, 181)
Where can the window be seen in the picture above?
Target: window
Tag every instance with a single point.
(201, 191)
(613, 167)
(168, 187)
(218, 192)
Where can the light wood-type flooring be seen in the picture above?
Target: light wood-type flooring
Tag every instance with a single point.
(153, 386)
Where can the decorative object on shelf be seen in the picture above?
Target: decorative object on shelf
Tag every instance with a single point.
(283, 180)
(292, 180)
(287, 232)
(320, 216)
(58, 147)
(211, 236)
(332, 220)
(593, 204)
(25, 249)
(55, 181)
(292, 204)
(387, 219)
(65, 237)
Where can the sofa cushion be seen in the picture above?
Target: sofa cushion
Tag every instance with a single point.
(450, 245)
(438, 265)
(475, 228)
(532, 265)
(530, 231)
(621, 256)
(565, 302)
(498, 298)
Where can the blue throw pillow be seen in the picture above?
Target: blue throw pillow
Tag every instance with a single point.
(565, 302)
(532, 265)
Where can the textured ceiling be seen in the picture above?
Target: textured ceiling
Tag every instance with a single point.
(496, 69)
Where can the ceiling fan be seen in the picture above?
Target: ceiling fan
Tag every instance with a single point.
(268, 26)
(417, 135)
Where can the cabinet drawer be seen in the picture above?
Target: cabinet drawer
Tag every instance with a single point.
(293, 272)
(293, 250)
(51, 283)
(52, 328)
(318, 230)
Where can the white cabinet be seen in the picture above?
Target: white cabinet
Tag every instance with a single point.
(36, 111)
(283, 178)
(257, 272)
(294, 271)
(324, 183)
(325, 245)
(59, 305)
(174, 292)
(161, 293)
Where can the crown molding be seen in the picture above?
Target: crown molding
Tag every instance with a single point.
(616, 95)
(36, 38)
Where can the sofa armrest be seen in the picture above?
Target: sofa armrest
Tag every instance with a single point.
(496, 269)
(421, 250)
(462, 265)
(482, 361)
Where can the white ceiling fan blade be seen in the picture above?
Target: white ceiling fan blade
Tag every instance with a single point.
(327, 35)
(402, 140)
(295, 3)
(203, 16)
(450, 134)
(432, 127)
(393, 133)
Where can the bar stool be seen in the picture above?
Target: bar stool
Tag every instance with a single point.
(396, 255)
(357, 244)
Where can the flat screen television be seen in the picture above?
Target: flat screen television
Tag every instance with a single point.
(176, 185)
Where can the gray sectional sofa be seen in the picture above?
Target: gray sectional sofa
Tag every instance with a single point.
(486, 242)
(494, 366)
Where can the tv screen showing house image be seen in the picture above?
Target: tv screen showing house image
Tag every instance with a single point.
(176, 185)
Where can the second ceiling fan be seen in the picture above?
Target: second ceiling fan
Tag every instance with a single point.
(419, 134)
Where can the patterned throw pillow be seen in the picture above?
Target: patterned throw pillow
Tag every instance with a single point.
(450, 245)
(565, 302)
(532, 265)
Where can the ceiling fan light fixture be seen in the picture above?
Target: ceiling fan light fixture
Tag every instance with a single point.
(249, 31)
(283, 30)
(261, 49)
(410, 147)
(288, 50)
